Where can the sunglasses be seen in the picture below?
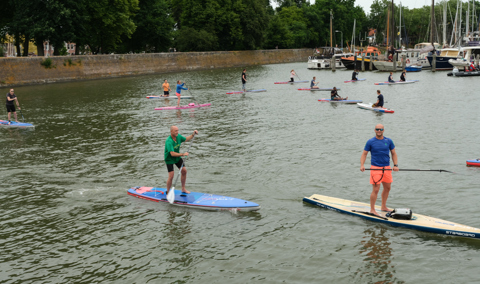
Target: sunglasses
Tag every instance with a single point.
(378, 129)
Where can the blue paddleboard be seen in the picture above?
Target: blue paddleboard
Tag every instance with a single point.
(4, 123)
(194, 199)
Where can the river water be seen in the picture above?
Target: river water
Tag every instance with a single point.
(67, 218)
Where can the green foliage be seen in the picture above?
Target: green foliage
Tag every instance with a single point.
(68, 62)
(47, 63)
(2, 52)
(189, 39)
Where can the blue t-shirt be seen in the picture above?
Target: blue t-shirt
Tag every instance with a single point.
(390, 79)
(312, 84)
(180, 88)
(380, 151)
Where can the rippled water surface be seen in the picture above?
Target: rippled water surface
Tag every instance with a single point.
(66, 216)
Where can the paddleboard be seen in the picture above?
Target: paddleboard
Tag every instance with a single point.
(397, 82)
(418, 222)
(248, 91)
(475, 162)
(192, 105)
(289, 82)
(319, 89)
(378, 109)
(4, 123)
(353, 81)
(170, 97)
(340, 102)
(194, 199)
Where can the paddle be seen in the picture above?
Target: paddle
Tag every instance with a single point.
(298, 77)
(21, 114)
(192, 96)
(171, 192)
(411, 170)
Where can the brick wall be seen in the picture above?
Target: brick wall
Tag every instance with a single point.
(28, 70)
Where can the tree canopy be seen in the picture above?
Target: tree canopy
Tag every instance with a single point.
(124, 26)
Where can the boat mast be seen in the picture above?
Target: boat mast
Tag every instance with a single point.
(444, 23)
(467, 28)
(393, 25)
(388, 27)
(400, 26)
(432, 24)
(331, 17)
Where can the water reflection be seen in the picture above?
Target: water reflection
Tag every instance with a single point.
(377, 257)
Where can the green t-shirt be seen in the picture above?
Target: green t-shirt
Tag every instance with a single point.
(170, 146)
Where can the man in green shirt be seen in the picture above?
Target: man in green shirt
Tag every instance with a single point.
(174, 157)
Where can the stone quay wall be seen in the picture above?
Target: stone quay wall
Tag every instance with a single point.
(19, 71)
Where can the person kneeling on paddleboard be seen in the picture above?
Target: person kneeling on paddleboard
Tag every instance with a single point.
(402, 77)
(173, 156)
(379, 102)
(380, 148)
(313, 84)
(354, 75)
(179, 91)
(334, 95)
(390, 78)
(166, 89)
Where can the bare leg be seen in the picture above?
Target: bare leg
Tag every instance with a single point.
(373, 198)
(385, 192)
(9, 116)
(178, 101)
(15, 115)
(169, 180)
(184, 179)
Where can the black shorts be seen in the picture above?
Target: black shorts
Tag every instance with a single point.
(178, 164)
(166, 93)
(10, 108)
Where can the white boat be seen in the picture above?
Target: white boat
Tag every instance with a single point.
(323, 59)
(465, 57)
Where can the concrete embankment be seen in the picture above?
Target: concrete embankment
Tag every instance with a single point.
(39, 70)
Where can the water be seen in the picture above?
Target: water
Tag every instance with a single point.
(66, 217)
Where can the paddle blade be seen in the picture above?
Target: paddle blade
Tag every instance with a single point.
(171, 195)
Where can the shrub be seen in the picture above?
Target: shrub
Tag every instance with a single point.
(47, 63)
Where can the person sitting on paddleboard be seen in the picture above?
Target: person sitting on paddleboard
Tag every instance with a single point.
(354, 75)
(390, 78)
(173, 156)
(180, 87)
(166, 89)
(313, 84)
(11, 106)
(244, 80)
(334, 95)
(402, 77)
(380, 148)
(379, 102)
(292, 76)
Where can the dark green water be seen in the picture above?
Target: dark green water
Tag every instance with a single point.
(66, 216)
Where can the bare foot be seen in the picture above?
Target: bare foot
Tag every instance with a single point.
(375, 213)
(386, 209)
(185, 191)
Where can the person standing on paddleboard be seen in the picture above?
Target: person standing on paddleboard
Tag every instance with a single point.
(179, 91)
(166, 89)
(380, 148)
(244, 80)
(313, 83)
(173, 156)
(11, 106)
(292, 76)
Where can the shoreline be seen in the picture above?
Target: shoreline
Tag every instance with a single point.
(21, 71)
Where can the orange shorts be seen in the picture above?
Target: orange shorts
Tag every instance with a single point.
(177, 94)
(377, 177)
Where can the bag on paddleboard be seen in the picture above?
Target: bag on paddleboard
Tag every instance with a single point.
(400, 213)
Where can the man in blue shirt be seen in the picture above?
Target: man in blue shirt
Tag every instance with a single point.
(313, 83)
(380, 148)
(379, 102)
